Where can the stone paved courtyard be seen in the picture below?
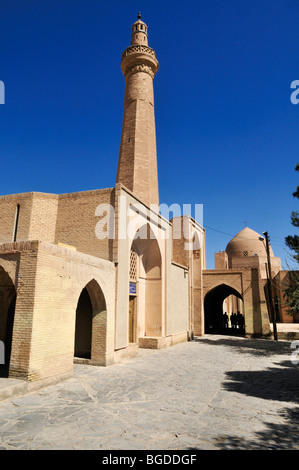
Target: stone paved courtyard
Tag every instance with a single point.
(217, 392)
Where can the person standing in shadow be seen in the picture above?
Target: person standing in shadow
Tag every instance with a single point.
(225, 321)
(241, 321)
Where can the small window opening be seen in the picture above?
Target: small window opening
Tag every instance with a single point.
(16, 223)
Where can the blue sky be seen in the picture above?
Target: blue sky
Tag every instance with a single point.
(227, 132)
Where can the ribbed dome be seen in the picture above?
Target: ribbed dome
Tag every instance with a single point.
(247, 243)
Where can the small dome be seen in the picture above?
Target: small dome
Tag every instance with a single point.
(139, 22)
(247, 243)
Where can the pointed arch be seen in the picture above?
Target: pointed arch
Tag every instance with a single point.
(213, 306)
(91, 324)
(148, 302)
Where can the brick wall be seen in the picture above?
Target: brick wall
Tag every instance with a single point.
(24, 311)
(76, 222)
(50, 281)
(37, 217)
(69, 218)
(8, 207)
(43, 217)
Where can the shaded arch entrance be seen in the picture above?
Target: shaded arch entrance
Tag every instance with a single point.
(83, 326)
(91, 324)
(214, 311)
(145, 306)
(7, 312)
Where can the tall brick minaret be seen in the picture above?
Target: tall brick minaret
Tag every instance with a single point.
(137, 164)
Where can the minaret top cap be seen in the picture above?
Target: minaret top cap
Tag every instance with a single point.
(139, 32)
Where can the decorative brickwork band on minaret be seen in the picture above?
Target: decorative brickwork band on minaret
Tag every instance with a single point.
(137, 164)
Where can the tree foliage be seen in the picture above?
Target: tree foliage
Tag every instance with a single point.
(291, 293)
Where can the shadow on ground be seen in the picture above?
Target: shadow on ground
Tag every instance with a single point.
(256, 347)
(278, 383)
(274, 437)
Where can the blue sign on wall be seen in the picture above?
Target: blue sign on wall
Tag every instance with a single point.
(132, 288)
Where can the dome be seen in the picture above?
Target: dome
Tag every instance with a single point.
(247, 243)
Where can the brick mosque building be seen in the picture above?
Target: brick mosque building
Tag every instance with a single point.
(77, 286)
(248, 250)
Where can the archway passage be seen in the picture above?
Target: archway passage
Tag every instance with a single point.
(215, 320)
(91, 325)
(7, 312)
(83, 326)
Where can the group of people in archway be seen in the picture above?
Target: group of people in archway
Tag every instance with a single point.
(236, 321)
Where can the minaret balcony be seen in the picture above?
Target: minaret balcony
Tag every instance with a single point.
(139, 48)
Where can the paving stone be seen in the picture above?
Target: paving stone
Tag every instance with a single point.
(212, 393)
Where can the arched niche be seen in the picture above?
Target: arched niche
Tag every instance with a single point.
(148, 303)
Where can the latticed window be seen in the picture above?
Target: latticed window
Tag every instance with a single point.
(245, 253)
(133, 266)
